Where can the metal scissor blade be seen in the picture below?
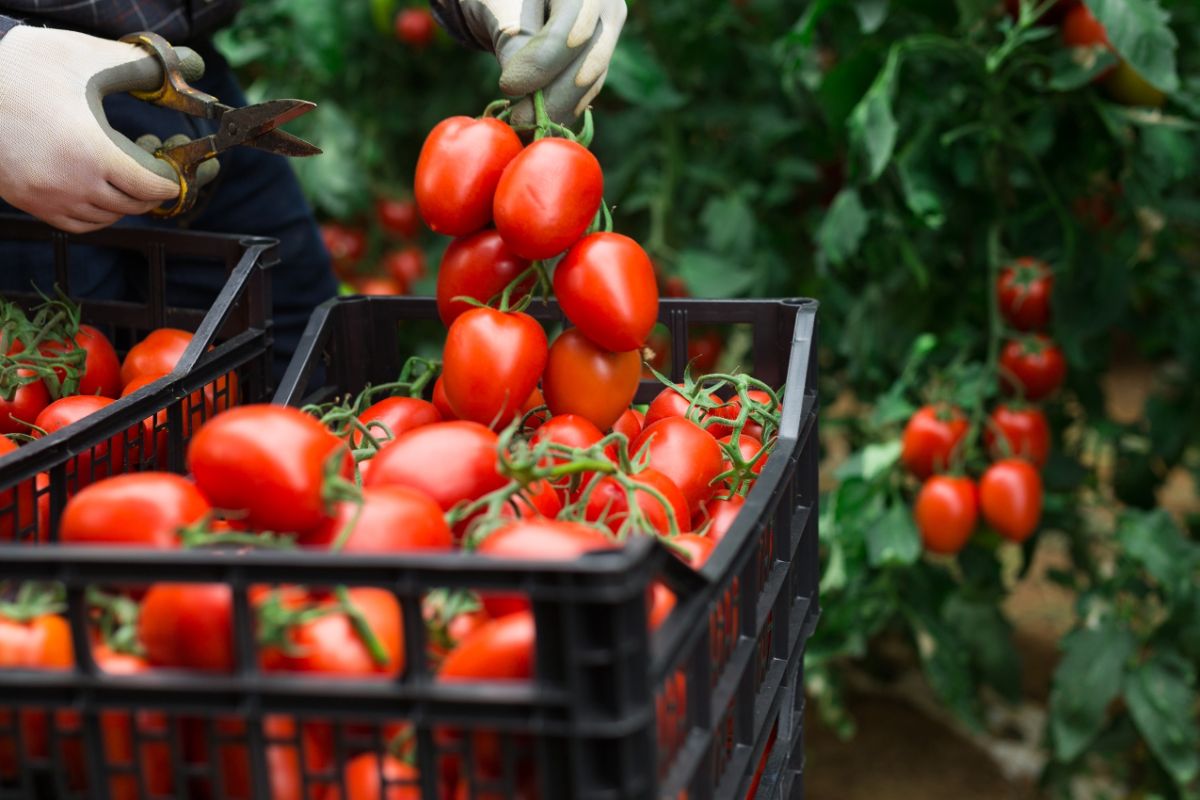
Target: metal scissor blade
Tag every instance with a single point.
(258, 123)
(284, 144)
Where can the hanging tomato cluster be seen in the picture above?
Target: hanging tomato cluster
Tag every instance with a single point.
(517, 213)
(1016, 435)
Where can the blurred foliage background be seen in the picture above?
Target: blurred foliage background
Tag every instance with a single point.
(886, 157)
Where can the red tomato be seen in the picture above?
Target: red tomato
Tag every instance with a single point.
(703, 352)
(1080, 28)
(457, 172)
(491, 363)
(400, 414)
(283, 762)
(406, 266)
(605, 284)
(16, 504)
(100, 367)
(379, 286)
(581, 378)
(1010, 497)
(698, 549)
(670, 402)
(142, 509)
(1024, 288)
(269, 461)
(500, 649)
(477, 266)
(159, 353)
(1033, 367)
(569, 430)
(1020, 432)
(42, 643)
(362, 775)
(719, 515)
(685, 453)
(329, 643)
(946, 510)
(751, 450)
(534, 402)
(105, 459)
(346, 246)
(188, 625)
(630, 423)
(391, 519)
(449, 461)
(537, 540)
(415, 27)
(609, 501)
(539, 499)
(398, 217)
(758, 399)
(117, 733)
(547, 197)
(931, 438)
(440, 402)
(196, 409)
(23, 405)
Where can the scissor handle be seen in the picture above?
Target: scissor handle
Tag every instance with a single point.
(174, 93)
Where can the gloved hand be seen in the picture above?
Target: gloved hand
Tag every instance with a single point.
(560, 46)
(60, 160)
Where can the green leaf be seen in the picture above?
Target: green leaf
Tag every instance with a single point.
(637, 77)
(873, 128)
(946, 665)
(893, 540)
(729, 223)
(1161, 696)
(842, 231)
(1154, 541)
(1140, 32)
(870, 462)
(920, 192)
(383, 13)
(988, 636)
(1068, 73)
(708, 275)
(1087, 679)
(871, 14)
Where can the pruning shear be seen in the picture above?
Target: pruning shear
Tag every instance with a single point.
(251, 126)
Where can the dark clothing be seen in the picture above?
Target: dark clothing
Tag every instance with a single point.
(178, 21)
(255, 193)
(449, 15)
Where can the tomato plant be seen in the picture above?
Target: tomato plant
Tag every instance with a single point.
(1033, 367)
(1025, 288)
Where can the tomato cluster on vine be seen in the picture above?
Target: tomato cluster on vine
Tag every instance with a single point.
(1016, 435)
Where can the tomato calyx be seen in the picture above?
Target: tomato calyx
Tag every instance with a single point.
(277, 617)
(440, 608)
(116, 619)
(205, 533)
(25, 356)
(33, 600)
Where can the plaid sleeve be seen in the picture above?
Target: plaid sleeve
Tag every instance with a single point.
(7, 24)
(449, 15)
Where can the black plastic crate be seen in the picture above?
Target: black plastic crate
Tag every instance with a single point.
(229, 354)
(613, 711)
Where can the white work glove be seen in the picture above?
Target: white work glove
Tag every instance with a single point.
(560, 46)
(60, 160)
